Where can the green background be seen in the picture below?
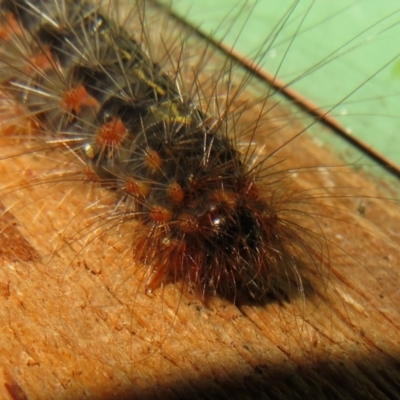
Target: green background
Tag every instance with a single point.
(341, 54)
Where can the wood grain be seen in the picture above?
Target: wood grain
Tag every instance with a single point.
(76, 323)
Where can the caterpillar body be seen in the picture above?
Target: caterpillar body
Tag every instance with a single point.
(165, 155)
(175, 168)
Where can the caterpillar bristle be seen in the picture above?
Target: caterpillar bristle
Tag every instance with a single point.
(158, 198)
(203, 221)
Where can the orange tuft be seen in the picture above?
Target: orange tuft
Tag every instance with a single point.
(75, 98)
(111, 134)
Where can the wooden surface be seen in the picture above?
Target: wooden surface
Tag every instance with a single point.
(75, 322)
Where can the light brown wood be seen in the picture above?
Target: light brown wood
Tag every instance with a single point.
(76, 323)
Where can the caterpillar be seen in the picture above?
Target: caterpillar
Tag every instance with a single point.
(203, 218)
(162, 153)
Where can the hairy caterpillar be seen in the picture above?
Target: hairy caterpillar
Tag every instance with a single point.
(126, 317)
